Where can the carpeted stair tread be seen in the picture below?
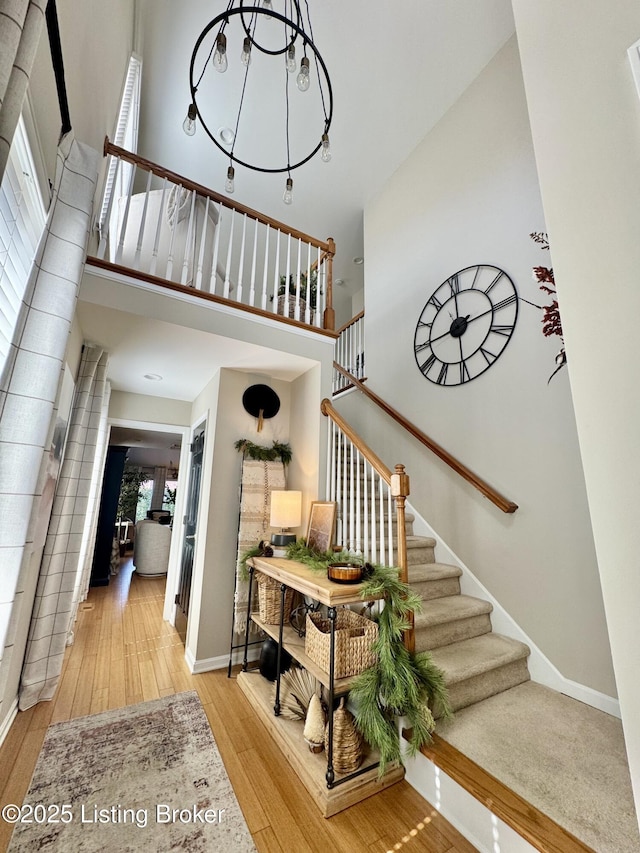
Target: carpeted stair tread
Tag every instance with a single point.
(420, 542)
(432, 572)
(439, 611)
(469, 658)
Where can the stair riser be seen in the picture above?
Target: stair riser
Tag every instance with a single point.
(421, 555)
(472, 690)
(436, 589)
(434, 636)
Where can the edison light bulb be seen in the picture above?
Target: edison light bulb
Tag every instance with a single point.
(303, 79)
(220, 54)
(326, 148)
(267, 5)
(287, 198)
(245, 56)
(189, 124)
(230, 183)
(291, 59)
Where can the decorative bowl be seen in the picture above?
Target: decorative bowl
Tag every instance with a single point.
(345, 572)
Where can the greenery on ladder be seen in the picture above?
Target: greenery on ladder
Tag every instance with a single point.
(400, 683)
(264, 454)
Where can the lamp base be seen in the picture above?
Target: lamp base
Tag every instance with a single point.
(281, 540)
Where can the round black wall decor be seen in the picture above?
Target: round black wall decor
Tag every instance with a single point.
(465, 325)
(261, 402)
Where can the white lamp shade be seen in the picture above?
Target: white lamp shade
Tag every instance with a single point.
(286, 509)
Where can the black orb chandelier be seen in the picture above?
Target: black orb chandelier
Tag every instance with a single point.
(282, 43)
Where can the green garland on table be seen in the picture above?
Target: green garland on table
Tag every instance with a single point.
(277, 451)
(400, 683)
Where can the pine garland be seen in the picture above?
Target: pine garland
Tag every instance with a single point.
(400, 683)
(277, 451)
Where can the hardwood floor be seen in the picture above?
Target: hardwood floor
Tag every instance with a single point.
(124, 653)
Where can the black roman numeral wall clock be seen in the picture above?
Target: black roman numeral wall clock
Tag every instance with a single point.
(466, 325)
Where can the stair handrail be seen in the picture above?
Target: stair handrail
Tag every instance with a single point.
(477, 482)
(327, 247)
(398, 481)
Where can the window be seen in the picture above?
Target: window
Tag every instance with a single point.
(22, 218)
(126, 136)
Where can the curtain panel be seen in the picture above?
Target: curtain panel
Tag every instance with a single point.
(31, 375)
(61, 569)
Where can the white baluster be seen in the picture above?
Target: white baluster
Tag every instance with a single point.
(345, 497)
(381, 523)
(330, 460)
(189, 255)
(213, 281)
(266, 268)
(338, 491)
(123, 229)
(296, 311)
(374, 535)
(227, 283)
(358, 498)
(241, 268)
(390, 515)
(352, 492)
(276, 274)
(143, 219)
(365, 507)
(156, 241)
(203, 240)
(285, 312)
(320, 293)
(252, 291)
(169, 270)
(307, 312)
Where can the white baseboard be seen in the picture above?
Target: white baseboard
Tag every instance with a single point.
(8, 720)
(219, 662)
(540, 667)
(486, 832)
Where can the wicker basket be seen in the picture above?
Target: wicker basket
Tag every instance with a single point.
(269, 598)
(347, 741)
(355, 635)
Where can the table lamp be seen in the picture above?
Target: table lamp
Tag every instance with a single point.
(286, 512)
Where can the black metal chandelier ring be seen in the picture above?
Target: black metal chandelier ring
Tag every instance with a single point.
(255, 44)
(243, 10)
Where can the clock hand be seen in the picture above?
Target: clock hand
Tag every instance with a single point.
(444, 334)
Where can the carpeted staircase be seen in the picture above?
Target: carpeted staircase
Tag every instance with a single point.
(456, 629)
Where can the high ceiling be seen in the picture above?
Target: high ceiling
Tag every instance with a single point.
(395, 70)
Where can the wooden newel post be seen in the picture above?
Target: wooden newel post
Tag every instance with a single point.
(400, 491)
(329, 319)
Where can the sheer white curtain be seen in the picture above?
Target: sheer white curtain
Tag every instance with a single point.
(159, 481)
(30, 378)
(54, 607)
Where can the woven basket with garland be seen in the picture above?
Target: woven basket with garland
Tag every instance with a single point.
(269, 598)
(354, 636)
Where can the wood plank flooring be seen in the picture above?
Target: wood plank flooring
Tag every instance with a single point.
(124, 653)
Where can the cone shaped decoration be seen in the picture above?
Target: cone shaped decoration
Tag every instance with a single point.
(347, 741)
(314, 725)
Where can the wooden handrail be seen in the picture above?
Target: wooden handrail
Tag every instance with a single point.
(327, 247)
(328, 411)
(488, 491)
(350, 322)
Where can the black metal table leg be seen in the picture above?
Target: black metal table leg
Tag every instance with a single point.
(246, 630)
(330, 776)
(276, 707)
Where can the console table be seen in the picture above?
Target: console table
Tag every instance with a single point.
(332, 791)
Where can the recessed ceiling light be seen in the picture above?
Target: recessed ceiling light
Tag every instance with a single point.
(339, 281)
(358, 261)
(226, 135)
(153, 377)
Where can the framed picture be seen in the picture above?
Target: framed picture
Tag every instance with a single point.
(322, 520)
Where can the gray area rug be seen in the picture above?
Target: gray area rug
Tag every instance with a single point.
(147, 777)
(561, 755)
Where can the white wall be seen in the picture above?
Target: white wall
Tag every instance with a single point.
(142, 407)
(585, 118)
(469, 194)
(297, 422)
